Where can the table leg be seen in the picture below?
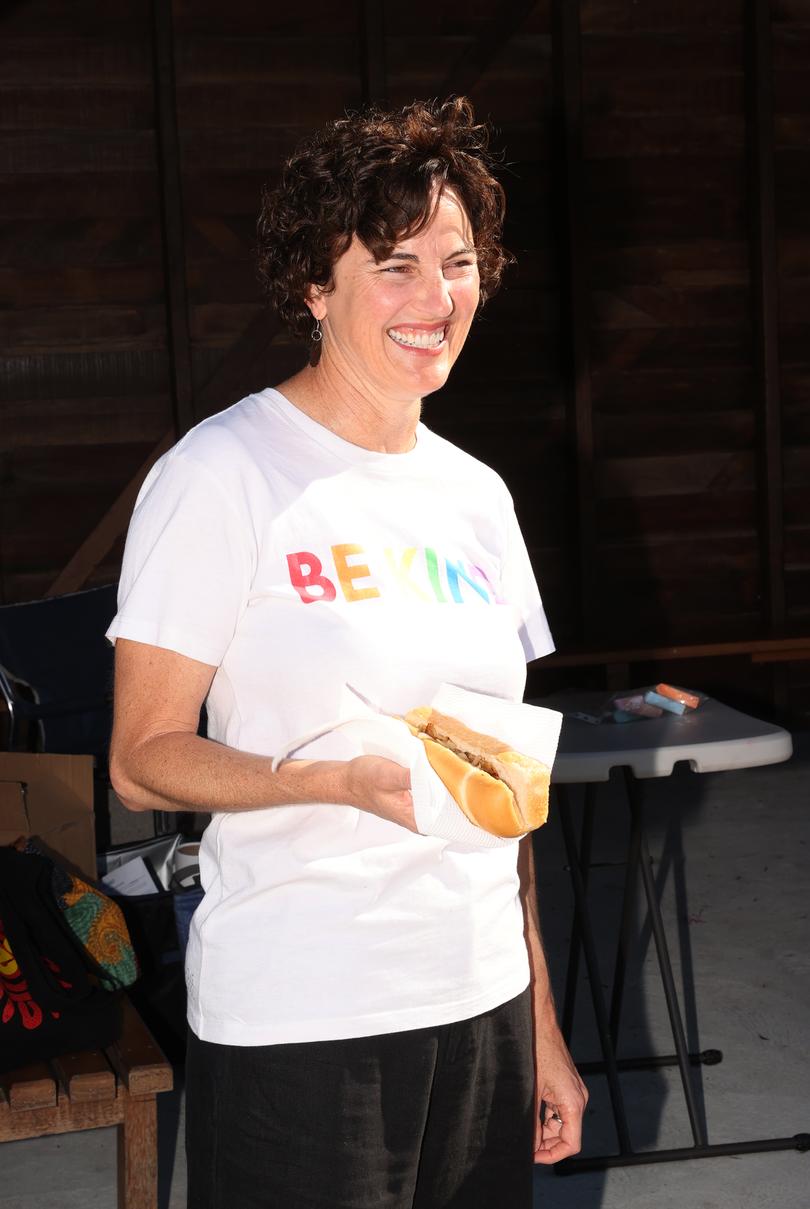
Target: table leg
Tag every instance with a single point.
(626, 926)
(639, 858)
(585, 844)
(665, 966)
(595, 977)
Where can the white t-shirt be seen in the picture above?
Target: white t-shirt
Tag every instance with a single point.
(295, 563)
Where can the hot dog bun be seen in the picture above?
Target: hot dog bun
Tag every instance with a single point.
(498, 789)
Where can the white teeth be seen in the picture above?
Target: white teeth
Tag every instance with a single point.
(412, 339)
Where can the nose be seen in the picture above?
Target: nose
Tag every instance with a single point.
(435, 295)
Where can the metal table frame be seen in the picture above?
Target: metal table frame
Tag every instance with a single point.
(714, 738)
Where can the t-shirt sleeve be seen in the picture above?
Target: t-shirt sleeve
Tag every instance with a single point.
(519, 588)
(187, 564)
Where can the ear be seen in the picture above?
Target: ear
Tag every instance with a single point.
(316, 301)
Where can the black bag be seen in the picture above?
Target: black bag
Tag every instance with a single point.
(160, 992)
(51, 1002)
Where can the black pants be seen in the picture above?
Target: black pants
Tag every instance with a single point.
(425, 1119)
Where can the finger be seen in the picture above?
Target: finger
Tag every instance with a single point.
(557, 1145)
(558, 1139)
(560, 1150)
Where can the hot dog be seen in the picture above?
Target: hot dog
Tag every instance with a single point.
(499, 790)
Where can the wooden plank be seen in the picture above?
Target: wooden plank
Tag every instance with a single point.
(221, 324)
(27, 152)
(126, 372)
(221, 389)
(172, 213)
(95, 286)
(265, 56)
(137, 1058)
(795, 654)
(685, 474)
(258, 152)
(59, 196)
(85, 1077)
(689, 51)
(670, 92)
(681, 515)
(42, 329)
(137, 1154)
(568, 88)
(79, 245)
(194, 18)
(227, 384)
(490, 41)
(417, 57)
(372, 43)
(40, 106)
(97, 59)
(699, 650)
(765, 288)
(626, 136)
(663, 16)
(103, 420)
(112, 524)
(31, 1086)
(64, 1117)
(684, 262)
(236, 105)
(661, 305)
(688, 391)
(126, 17)
(641, 435)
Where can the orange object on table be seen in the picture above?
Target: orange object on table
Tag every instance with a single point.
(690, 700)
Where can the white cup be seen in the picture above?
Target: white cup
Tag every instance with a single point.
(186, 854)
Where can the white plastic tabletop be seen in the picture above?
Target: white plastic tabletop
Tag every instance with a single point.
(712, 738)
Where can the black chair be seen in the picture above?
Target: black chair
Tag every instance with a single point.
(56, 675)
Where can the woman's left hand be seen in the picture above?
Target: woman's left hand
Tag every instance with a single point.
(559, 1086)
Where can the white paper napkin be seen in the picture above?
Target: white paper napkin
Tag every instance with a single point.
(366, 731)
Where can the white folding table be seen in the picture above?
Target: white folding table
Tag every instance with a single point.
(712, 738)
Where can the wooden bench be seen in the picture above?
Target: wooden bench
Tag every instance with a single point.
(91, 1089)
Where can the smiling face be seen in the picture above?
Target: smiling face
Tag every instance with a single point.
(394, 329)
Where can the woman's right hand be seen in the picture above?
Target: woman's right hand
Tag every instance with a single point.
(382, 787)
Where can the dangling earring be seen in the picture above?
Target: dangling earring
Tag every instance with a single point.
(316, 344)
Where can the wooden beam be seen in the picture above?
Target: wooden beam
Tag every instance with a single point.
(220, 390)
(575, 301)
(764, 281)
(468, 69)
(793, 654)
(174, 254)
(235, 376)
(109, 528)
(372, 44)
(764, 650)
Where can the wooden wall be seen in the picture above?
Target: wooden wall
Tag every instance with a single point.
(642, 381)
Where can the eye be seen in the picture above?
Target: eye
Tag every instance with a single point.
(396, 268)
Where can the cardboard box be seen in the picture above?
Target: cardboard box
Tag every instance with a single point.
(52, 797)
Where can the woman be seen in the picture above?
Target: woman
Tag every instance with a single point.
(361, 1023)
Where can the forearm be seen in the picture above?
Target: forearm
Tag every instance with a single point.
(558, 1131)
(182, 771)
(545, 1013)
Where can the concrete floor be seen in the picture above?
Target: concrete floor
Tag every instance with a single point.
(730, 853)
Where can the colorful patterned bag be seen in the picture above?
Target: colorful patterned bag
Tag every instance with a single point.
(51, 999)
(95, 920)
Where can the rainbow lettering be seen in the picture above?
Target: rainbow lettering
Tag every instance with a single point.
(415, 573)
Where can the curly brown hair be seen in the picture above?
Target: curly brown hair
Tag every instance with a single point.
(374, 174)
